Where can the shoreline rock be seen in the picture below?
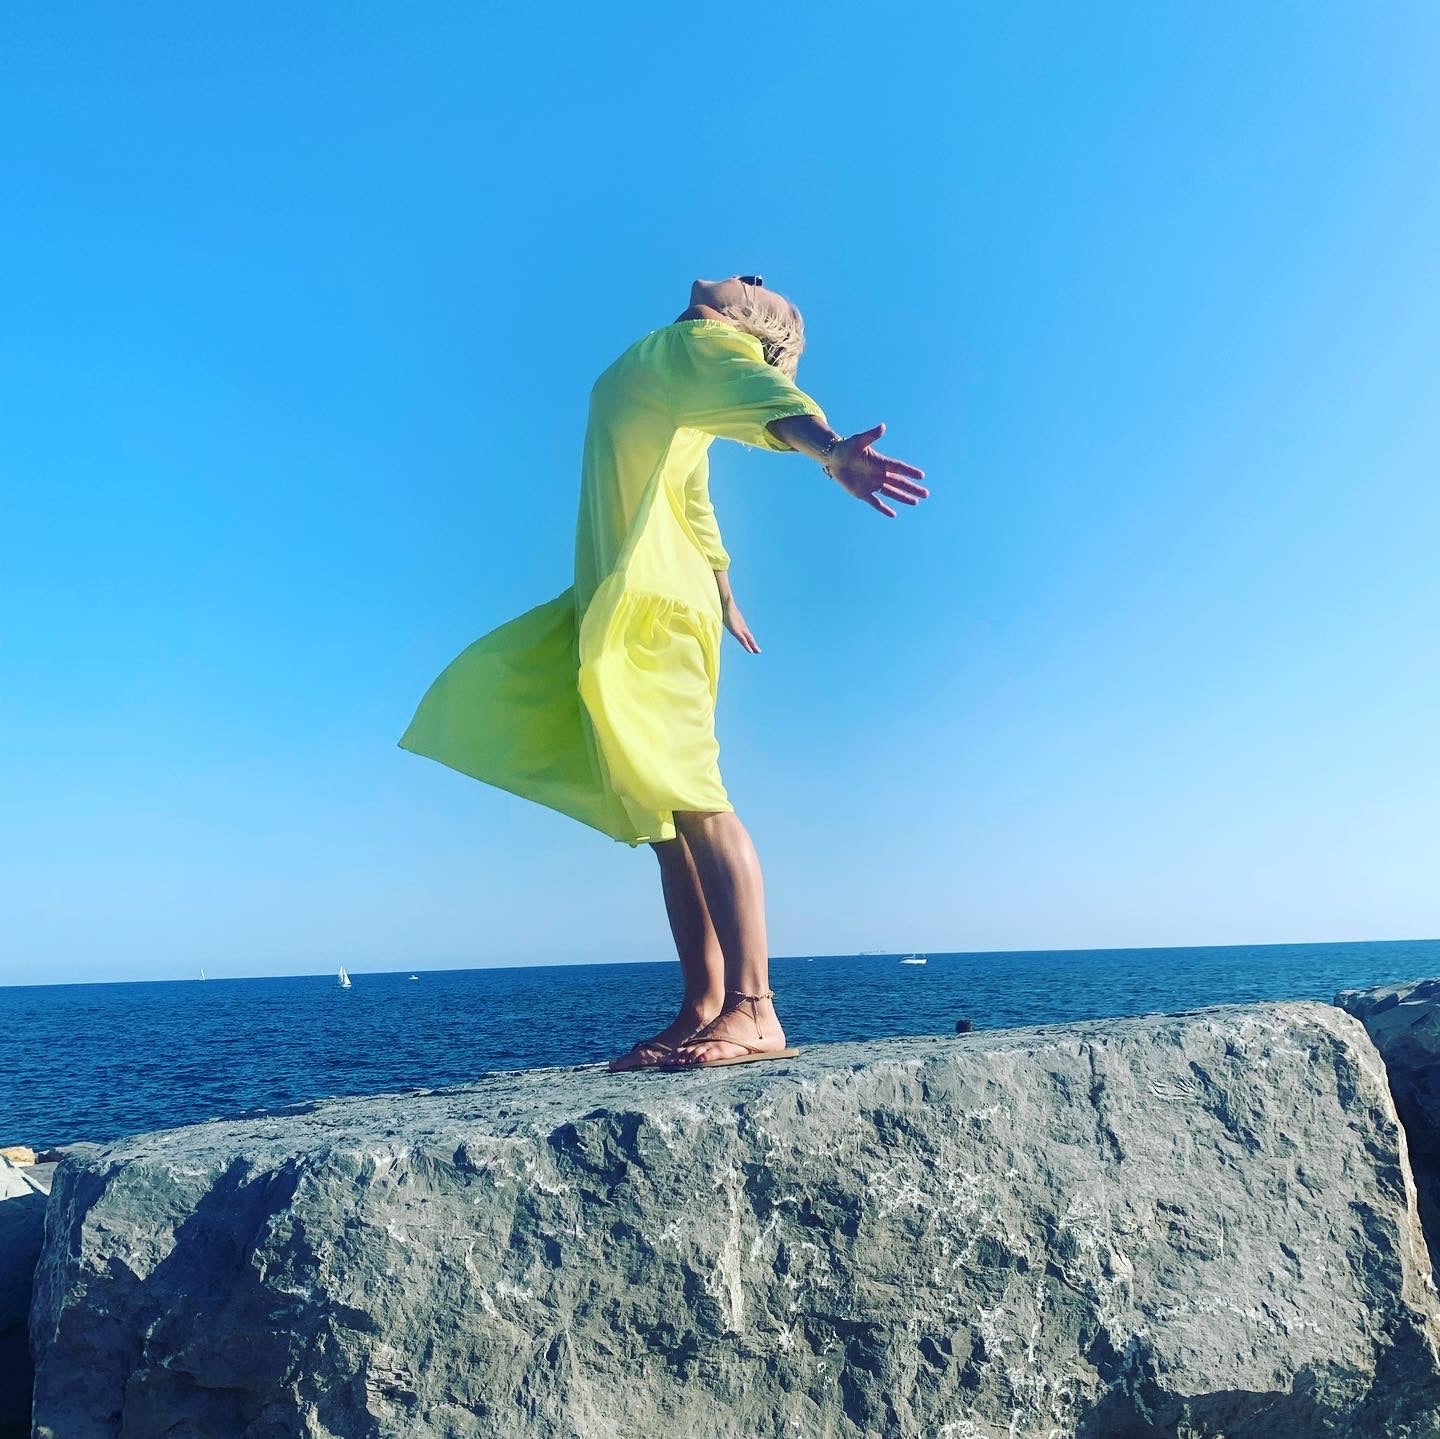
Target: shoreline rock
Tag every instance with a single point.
(1198, 1224)
(1403, 1021)
(22, 1230)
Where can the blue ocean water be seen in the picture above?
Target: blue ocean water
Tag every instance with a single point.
(98, 1061)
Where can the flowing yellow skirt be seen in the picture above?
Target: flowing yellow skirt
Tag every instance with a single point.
(610, 720)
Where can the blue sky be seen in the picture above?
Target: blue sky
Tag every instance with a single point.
(303, 305)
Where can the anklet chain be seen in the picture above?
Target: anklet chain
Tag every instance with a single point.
(754, 1002)
(704, 1031)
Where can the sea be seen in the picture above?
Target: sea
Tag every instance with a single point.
(97, 1062)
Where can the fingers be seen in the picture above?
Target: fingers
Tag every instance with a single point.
(900, 467)
(896, 493)
(879, 505)
(742, 633)
(866, 438)
(908, 486)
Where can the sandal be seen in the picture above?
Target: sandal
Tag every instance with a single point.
(703, 1035)
(666, 1050)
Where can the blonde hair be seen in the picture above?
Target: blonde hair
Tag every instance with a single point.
(776, 323)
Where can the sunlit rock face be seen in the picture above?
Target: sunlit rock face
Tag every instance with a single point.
(1188, 1225)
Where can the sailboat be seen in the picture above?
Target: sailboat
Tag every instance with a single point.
(913, 959)
(344, 979)
(202, 974)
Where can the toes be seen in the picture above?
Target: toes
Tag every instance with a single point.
(699, 1058)
(643, 1054)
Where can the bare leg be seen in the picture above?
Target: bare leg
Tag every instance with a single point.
(702, 965)
(734, 891)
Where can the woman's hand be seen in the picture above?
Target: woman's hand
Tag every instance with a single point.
(735, 623)
(868, 475)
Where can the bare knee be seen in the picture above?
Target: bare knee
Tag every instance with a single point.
(689, 820)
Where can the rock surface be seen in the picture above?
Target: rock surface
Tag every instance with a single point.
(1404, 1022)
(1196, 1225)
(22, 1227)
(62, 1151)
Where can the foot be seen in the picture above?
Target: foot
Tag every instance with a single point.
(744, 1026)
(649, 1052)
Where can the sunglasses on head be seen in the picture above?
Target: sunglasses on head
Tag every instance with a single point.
(757, 280)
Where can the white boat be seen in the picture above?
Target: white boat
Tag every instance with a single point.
(414, 976)
(344, 979)
(202, 974)
(913, 959)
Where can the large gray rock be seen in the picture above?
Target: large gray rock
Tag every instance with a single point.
(22, 1227)
(1404, 1022)
(1196, 1225)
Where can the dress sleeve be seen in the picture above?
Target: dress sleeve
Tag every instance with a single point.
(701, 514)
(720, 384)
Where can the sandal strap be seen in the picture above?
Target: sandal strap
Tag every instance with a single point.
(719, 1039)
(703, 1034)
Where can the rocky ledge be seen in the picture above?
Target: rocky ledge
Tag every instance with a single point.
(1403, 1020)
(1196, 1225)
(23, 1186)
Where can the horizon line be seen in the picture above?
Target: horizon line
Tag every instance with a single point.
(602, 963)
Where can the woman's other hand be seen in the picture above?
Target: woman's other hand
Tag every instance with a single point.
(735, 623)
(868, 475)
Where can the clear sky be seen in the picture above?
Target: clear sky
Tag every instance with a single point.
(302, 305)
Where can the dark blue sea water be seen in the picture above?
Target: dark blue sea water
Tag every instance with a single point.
(98, 1061)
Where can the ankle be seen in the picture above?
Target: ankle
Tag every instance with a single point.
(760, 996)
(702, 1009)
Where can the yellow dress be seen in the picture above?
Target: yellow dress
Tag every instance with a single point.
(600, 703)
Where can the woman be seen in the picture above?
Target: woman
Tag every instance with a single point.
(601, 702)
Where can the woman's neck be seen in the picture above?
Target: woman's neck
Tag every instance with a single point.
(702, 312)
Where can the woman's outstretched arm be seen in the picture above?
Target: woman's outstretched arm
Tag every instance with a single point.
(862, 471)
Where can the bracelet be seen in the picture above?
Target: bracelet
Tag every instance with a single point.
(831, 445)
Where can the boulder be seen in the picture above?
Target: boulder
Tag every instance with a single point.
(1403, 1020)
(22, 1227)
(1197, 1225)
